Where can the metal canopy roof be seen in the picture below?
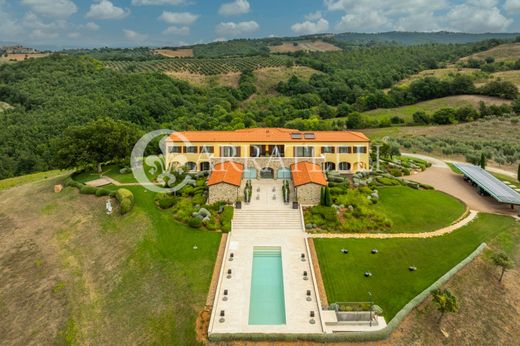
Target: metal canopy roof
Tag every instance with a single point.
(496, 188)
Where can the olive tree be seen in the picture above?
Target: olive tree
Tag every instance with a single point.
(445, 302)
(502, 260)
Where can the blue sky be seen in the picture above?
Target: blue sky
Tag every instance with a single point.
(91, 23)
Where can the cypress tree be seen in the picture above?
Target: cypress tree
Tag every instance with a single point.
(327, 200)
(482, 161)
(518, 174)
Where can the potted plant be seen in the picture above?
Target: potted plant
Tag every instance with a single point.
(238, 203)
(295, 204)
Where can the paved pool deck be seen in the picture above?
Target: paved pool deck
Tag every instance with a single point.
(283, 228)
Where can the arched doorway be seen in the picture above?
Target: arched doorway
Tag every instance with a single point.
(267, 173)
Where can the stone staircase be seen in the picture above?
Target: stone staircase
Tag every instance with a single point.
(248, 219)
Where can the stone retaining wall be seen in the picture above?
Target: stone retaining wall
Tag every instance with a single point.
(222, 192)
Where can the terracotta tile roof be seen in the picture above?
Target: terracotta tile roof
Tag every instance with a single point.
(307, 172)
(269, 135)
(227, 172)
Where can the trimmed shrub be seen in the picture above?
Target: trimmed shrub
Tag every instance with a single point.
(87, 190)
(122, 194)
(125, 198)
(103, 192)
(126, 206)
(199, 199)
(226, 217)
(165, 200)
(388, 181)
(195, 222)
(69, 182)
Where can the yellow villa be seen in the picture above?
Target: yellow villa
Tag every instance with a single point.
(268, 153)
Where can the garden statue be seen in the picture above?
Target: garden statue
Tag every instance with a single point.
(108, 207)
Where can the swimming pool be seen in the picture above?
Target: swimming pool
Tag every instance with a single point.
(267, 302)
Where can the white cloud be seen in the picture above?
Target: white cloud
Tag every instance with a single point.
(134, 36)
(9, 26)
(180, 18)
(512, 6)
(309, 27)
(314, 16)
(371, 21)
(158, 2)
(91, 26)
(106, 10)
(479, 17)
(52, 8)
(175, 30)
(74, 35)
(42, 30)
(234, 8)
(236, 29)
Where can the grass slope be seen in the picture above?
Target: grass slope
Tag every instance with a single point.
(431, 106)
(99, 279)
(503, 52)
(392, 285)
(24, 179)
(441, 73)
(413, 211)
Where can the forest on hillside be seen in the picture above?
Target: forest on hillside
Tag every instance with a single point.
(63, 90)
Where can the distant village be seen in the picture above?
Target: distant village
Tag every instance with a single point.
(19, 52)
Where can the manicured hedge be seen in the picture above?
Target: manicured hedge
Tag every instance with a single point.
(125, 198)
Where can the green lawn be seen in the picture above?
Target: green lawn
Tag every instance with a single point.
(392, 285)
(414, 211)
(112, 171)
(165, 266)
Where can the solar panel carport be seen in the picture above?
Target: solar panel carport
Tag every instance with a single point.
(489, 184)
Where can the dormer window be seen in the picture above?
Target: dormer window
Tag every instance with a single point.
(309, 135)
(296, 135)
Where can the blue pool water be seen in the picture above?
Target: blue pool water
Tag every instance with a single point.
(267, 303)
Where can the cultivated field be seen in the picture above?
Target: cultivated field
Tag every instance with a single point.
(175, 53)
(503, 52)
(431, 106)
(200, 66)
(307, 46)
(496, 137)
